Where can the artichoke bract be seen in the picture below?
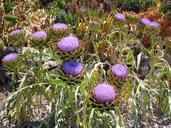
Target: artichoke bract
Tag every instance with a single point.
(72, 68)
(104, 93)
(119, 70)
(17, 37)
(1, 45)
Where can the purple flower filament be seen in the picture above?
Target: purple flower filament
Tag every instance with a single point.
(153, 24)
(68, 44)
(73, 68)
(60, 26)
(15, 32)
(120, 17)
(10, 58)
(119, 70)
(145, 21)
(39, 35)
(149, 23)
(104, 93)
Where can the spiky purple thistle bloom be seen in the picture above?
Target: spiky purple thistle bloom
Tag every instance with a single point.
(120, 17)
(153, 24)
(145, 21)
(39, 35)
(10, 58)
(15, 32)
(73, 68)
(119, 70)
(104, 93)
(60, 26)
(17, 38)
(68, 44)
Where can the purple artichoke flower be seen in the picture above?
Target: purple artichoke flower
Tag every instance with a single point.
(120, 17)
(39, 35)
(153, 24)
(68, 44)
(10, 58)
(17, 38)
(104, 93)
(73, 68)
(60, 26)
(119, 70)
(145, 21)
(15, 32)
